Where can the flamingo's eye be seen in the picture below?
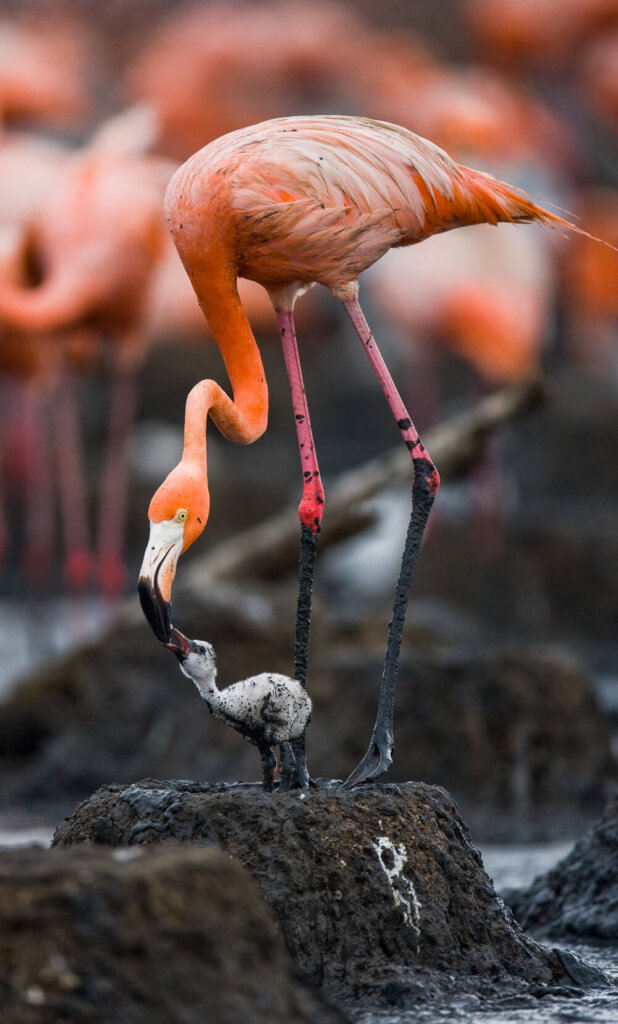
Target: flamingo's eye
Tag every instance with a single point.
(181, 515)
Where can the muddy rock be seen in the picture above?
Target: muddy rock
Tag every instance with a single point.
(379, 893)
(143, 937)
(577, 901)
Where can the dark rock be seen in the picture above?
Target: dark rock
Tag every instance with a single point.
(143, 936)
(577, 900)
(379, 893)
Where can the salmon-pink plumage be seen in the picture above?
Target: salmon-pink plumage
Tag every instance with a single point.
(95, 238)
(320, 199)
(208, 69)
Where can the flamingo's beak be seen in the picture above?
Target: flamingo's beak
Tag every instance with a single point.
(157, 575)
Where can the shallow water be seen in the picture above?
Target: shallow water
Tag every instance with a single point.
(516, 866)
(13, 837)
(35, 632)
(597, 1007)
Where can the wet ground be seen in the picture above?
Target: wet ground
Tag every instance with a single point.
(597, 1007)
(517, 866)
(14, 836)
(38, 630)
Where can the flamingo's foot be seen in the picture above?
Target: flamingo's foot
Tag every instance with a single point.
(376, 761)
(78, 569)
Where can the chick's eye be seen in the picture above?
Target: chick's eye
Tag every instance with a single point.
(181, 515)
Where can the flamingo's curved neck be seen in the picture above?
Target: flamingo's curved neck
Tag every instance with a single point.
(244, 418)
(56, 303)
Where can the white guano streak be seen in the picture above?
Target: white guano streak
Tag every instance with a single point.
(402, 889)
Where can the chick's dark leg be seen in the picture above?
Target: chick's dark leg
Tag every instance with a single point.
(269, 763)
(288, 764)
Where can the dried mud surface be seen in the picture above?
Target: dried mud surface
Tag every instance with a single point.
(379, 893)
(166, 935)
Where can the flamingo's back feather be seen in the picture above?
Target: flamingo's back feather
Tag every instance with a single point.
(322, 198)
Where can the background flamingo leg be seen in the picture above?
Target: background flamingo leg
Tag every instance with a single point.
(378, 757)
(115, 482)
(310, 513)
(38, 487)
(4, 533)
(71, 480)
(5, 399)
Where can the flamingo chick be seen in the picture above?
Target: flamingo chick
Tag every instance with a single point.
(268, 709)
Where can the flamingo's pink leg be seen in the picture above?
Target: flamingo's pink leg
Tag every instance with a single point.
(310, 514)
(4, 532)
(424, 488)
(38, 488)
(71, 479)
(5, 399)
(17, 440)
(114, 488)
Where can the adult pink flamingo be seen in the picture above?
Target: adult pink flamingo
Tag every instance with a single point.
(97, 241)
(534, 32)
(42, 63)
(208, 69)
(289, 203)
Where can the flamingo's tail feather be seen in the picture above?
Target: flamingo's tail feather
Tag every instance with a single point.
(493, 201)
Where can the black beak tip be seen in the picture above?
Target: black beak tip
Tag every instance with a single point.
(155, 609)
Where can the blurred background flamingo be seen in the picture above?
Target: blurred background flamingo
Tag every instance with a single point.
(43, 70)
(533, 33)
(93, 246)
(213, 68)
(502, 84)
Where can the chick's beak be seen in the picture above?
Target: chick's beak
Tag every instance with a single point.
(156, 576)
(178, 644)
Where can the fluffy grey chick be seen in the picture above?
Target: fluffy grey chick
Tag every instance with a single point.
(268, 709)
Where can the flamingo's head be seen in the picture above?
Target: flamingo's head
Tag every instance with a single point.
(178, 513)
